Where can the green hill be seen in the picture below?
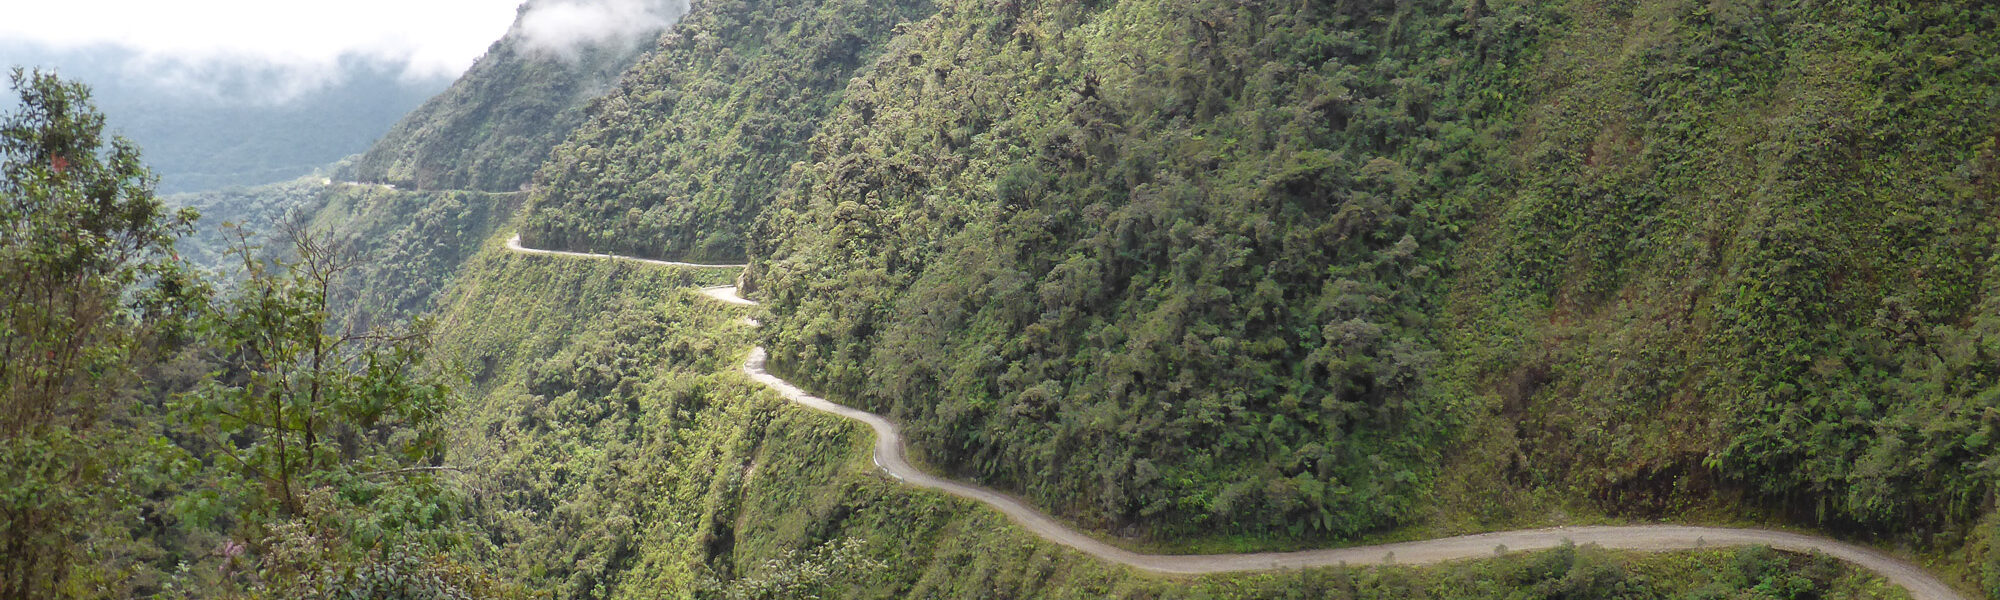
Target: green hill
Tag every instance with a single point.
(615, 450)
(1244, 274)
(679, 160)
(1193, 275)
(1281, 269)
(492, 127)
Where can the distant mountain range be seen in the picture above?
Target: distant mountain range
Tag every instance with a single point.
(220, 124)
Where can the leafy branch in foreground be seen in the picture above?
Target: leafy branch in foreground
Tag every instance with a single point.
(90, 278)
(302, 422)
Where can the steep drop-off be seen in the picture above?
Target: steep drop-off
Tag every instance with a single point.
(678, 161)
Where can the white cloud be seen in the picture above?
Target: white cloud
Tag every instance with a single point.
(565, 25)
(432, 37)
(283, 48)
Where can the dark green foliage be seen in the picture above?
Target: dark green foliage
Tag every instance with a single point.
(403, 247)
(1754, 241)
(91, 292)
(1168, 265)
(1173, 267)
(148, 429)
(312, 453)
(624, 456)
(1248, 269)
(597, 420)
(1254, 267)
(691, 146)
(297, 404)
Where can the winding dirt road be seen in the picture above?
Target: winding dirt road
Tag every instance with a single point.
(889, 455)
(514, 243)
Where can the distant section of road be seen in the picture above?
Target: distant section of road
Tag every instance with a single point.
(890, 456)
(514, 243)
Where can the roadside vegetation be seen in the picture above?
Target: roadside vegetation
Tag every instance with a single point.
(623, 454)
(1264, 270)
(1194, 274)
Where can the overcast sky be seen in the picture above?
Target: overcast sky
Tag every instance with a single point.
(434, 37)
(272, 51)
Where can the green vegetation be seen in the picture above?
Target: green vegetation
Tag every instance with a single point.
(1229, 273)
(405, 247)
(1253, 268)
(1163, 267)
(400, 247)
(1752, 247)
(313, 452)
(82, 233)
(493, 126)
(161, 440)
(691, 147)
(262, 208)
(621, 454)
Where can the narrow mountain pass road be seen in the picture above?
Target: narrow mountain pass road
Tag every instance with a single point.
(514, 243)
(890, 456)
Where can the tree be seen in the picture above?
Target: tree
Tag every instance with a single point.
(89, 276)
(334, 433)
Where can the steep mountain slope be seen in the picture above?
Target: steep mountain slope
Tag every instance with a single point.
(257, 209)
(1752, 247)
(406, 246)
(616, 450)
(493, 126)
(1186, 267)
(1237, 272)
(400, 247)
(692, 145)
(1162, 266)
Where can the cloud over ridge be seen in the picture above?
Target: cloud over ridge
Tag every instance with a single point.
(265, 51)
(565, 26)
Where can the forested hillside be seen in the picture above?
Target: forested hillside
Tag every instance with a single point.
(1180, 268)
(1194, 275)
(691, 147)
(399, 247)
(1753, 248)
(492, 127)
(226, 213)
(405, 247)
(166, 440)
(615, 450)
(1164, 267)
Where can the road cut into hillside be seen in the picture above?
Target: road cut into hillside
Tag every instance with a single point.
(890, 455)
